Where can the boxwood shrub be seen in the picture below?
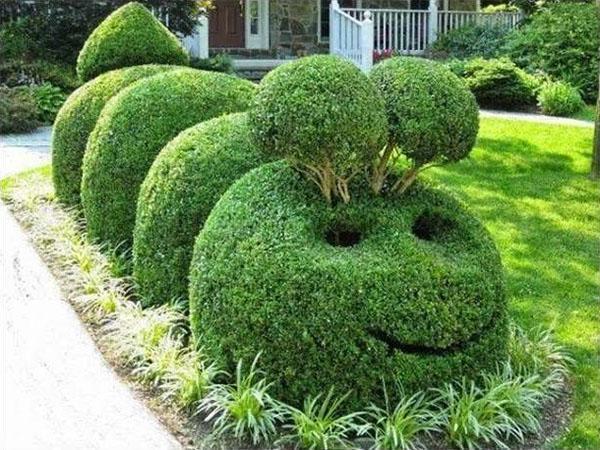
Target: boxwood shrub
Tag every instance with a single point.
(385, 287)
(130, 36)
(186, 180)
(431, 115)
(132, 129)
(323, 113)
(76, 120)
(499, 83)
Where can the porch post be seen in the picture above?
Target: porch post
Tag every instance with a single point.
(433, 22)
(367, 42)
(203, 37)
(333, 26)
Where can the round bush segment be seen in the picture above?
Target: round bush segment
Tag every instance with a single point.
(130, 36)
(76, 120)
(408, 287)
(432, 115)
(186, 180)
(132, 129)
(319, 110)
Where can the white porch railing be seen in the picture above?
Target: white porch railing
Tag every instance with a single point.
(350, 37)
(404, 31)
(450, 20)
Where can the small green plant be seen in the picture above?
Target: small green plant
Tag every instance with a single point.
(218, 63)
(189, 380)
(471, 416)
(537, 353)
(18, 110)
(471, 41)
(49, 99)
(399, 427)
(559, 99)
(136, 333)
(245, 409)
(161, 359)
(319, 425)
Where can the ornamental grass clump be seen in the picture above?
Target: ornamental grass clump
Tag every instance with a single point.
(433, 118)
(130, 36)
(245, 409)
(320, 425)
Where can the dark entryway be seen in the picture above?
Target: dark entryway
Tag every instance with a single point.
(226, 24)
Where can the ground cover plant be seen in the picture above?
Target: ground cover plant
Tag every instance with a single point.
(132, 129)
(76, 121)
(130, 36)
(18, 110)
(543, 205)
(185, 181)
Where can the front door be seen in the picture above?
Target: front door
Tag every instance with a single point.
(226, 28)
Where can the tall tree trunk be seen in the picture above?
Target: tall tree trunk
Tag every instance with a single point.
(595, 175)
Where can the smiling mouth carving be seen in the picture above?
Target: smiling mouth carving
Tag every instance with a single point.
(394, 344)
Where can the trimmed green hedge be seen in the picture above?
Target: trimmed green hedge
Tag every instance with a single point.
(130, 36)
(132, 129)
(186, 180)
(76, 120)
(419, 297)
(432, 116)
(320, 111)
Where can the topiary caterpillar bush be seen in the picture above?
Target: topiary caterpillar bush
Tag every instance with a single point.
(132, 129)
(398, 281)
(324, 115)
(76, 120)
(405, 287)
(186, 180)
(130, 36)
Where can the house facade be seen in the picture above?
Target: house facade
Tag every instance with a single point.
(292, 28)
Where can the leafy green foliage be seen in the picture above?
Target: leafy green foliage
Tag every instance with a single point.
(130, 36)
(562, 39)
(132, 129)
(186, 180)
(323, 114)
(267, 274)
(245, 409)
(76, 120)
(320, 425)
(218, 63)
(559, 99)
(49, 99)
(432, 117)
(20, 73)
(471, 41)
(499, 83)
(57, 29)
(188, 381)
(18, 110)
(400, 427)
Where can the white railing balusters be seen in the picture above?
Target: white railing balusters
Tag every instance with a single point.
(351, 35)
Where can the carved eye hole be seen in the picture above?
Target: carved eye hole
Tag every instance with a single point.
(432, 226)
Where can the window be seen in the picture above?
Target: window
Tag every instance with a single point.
(253, 13)
(324, 15)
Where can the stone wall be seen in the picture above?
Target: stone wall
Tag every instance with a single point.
(294, 27)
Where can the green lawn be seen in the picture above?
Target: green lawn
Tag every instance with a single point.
(528, 182)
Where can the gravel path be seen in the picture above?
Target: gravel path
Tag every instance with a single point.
(56, 390)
